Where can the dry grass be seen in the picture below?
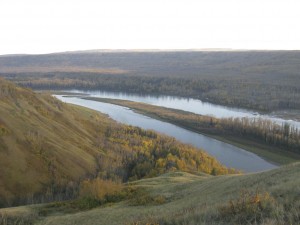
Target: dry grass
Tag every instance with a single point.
(197, 199)
(43, 138)
(18, 216)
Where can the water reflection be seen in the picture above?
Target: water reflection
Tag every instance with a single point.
(187, 104)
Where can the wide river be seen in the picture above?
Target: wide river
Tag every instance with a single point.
(188, 104)
(227, 154)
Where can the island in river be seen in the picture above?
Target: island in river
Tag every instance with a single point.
(227, 154)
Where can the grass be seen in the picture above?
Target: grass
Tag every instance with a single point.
(270, 153)
(18, 215)
(49, 148)
(42, 132)
(199, 199)
(43, 138)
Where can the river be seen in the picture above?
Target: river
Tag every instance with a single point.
(227, 154)
(188, 104)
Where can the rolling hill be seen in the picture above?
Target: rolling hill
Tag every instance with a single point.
(267, 198)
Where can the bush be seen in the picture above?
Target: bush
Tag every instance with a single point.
(87, 203)
(249, 208)
(98, 191)
(142, 197)
(101, 190)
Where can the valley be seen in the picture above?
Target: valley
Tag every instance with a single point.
(43, 138)
(150, 138)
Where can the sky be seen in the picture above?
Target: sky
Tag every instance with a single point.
(45, 26)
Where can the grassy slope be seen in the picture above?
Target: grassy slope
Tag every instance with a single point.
(44, 139)
(191, 199)
(271, 153)
(47, 147)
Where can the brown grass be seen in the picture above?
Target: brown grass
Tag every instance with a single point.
(197, 199)
(57, 146)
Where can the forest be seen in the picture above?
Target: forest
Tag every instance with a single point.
(260, 80)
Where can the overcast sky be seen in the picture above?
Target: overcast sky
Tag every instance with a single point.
(42, 26)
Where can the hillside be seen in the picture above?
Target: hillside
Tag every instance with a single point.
(259, 80)
(168, 63)
(48, 148)
(270, 197)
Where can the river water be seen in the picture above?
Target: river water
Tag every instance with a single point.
(227, 154)
(188, 104)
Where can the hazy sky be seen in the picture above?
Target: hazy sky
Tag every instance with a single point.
(42, 26)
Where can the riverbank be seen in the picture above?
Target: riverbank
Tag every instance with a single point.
(189, 121)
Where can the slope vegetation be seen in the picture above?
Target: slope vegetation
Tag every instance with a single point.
(47, 148)
(270, 197)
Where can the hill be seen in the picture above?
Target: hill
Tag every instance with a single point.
(259, 80)
(48, 148)
(270, 197)
(163, 63)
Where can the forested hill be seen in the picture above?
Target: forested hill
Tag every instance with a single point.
(47, 148)
(203, 63)
(260, 80)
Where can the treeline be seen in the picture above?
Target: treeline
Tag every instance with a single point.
(283, 136)
(260, 80)
(264, 92)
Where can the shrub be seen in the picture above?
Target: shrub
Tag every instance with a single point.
(143, 197)
(85, 203)
(248, 208)
(99, 188)
(98, 191)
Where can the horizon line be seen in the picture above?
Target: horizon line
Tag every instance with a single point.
(116, 50)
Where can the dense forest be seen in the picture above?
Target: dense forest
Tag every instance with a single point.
(260, 80)
(43, 138)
